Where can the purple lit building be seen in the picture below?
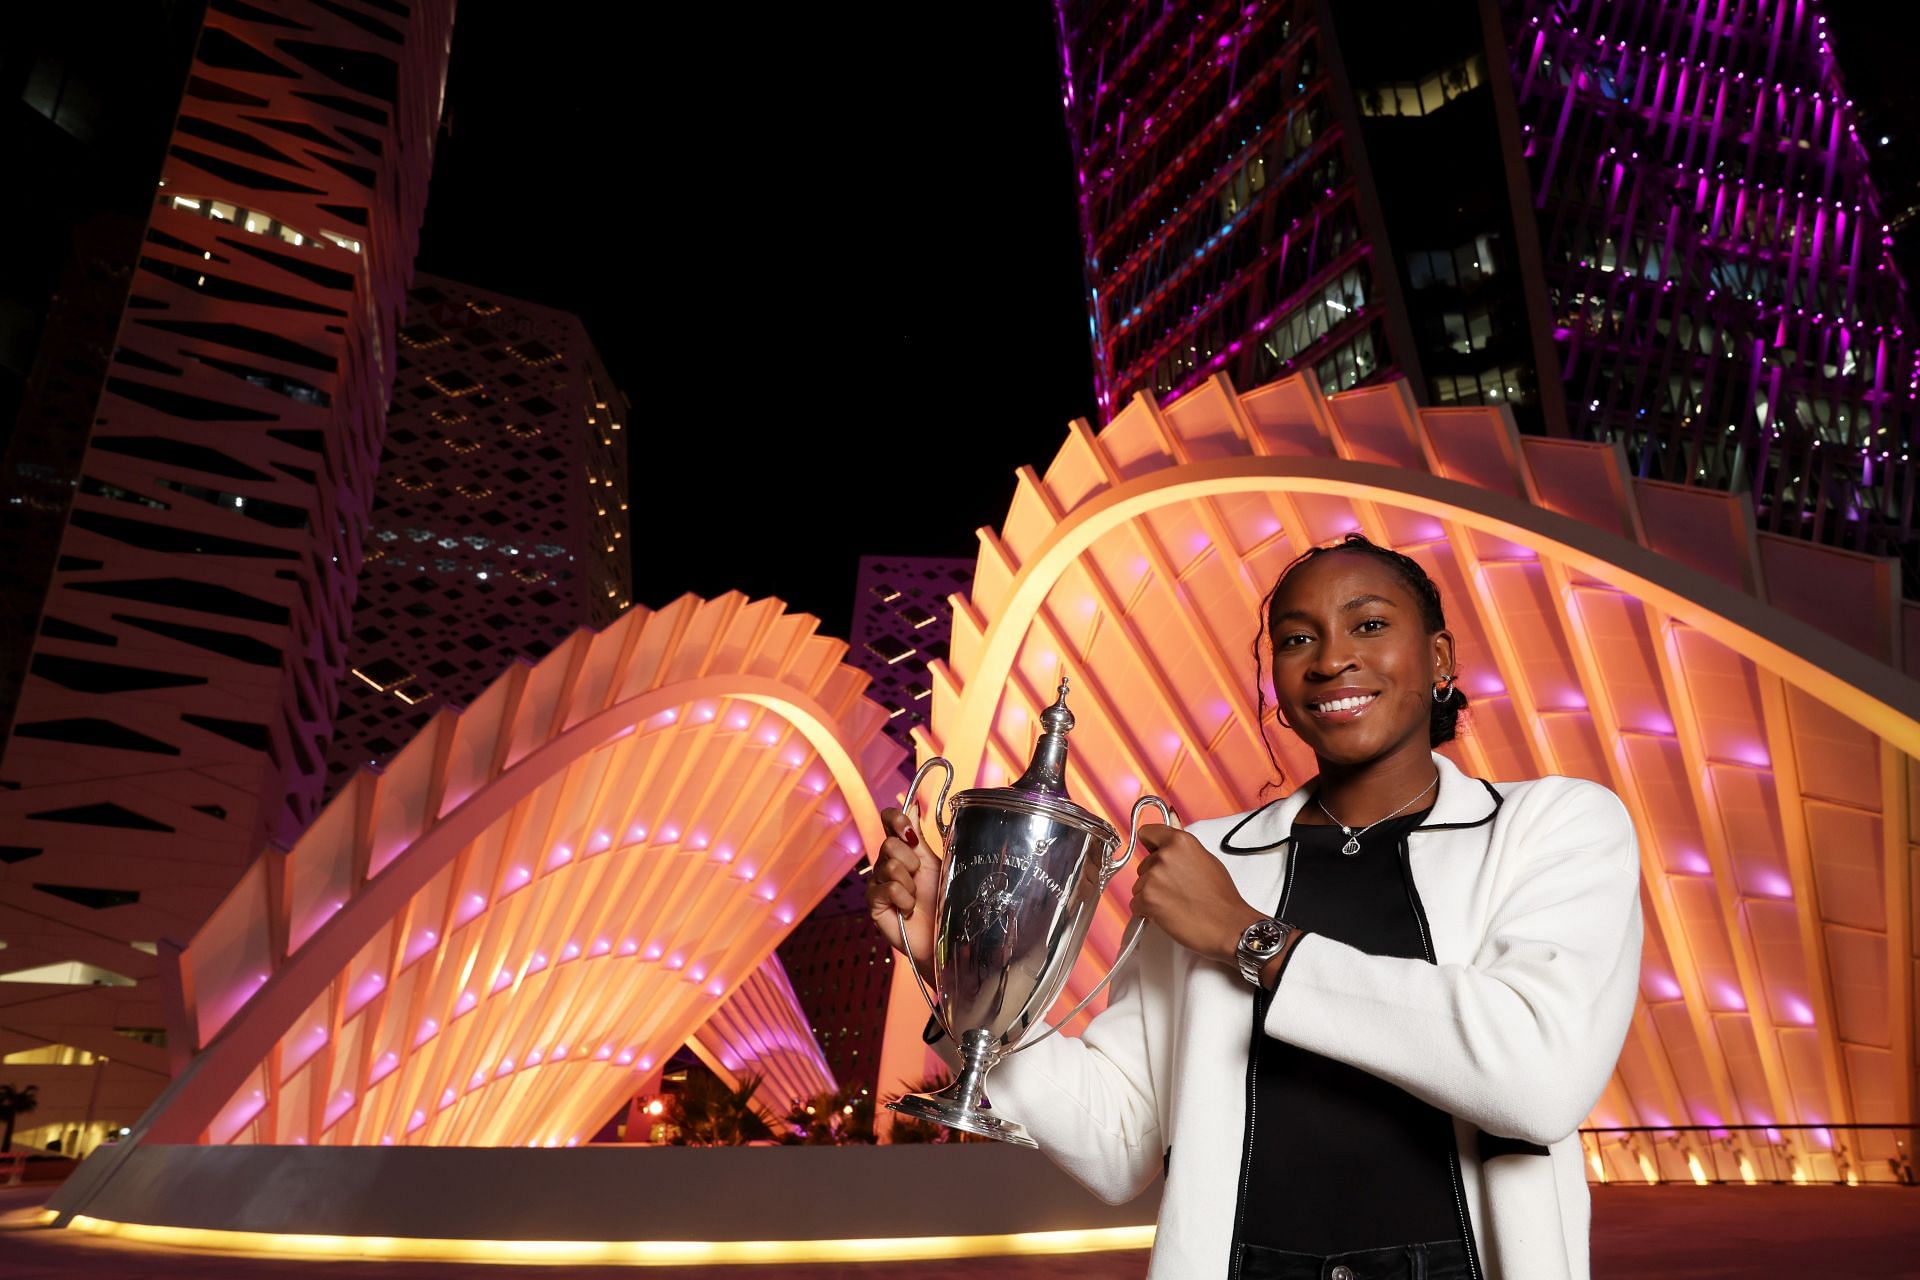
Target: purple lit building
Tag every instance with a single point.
(1625, 220)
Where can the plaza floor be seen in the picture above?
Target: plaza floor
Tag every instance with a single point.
(1681, 1233)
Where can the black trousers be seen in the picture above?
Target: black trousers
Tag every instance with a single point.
(1438, 1260)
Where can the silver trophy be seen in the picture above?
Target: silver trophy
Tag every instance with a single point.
(1023, 874)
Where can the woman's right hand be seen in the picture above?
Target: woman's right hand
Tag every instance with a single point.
(906, 876)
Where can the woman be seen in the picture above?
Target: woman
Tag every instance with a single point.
(1372, 1013)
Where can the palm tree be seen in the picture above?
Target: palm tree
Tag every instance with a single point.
(15, 1102)
(913, 1129)
(709, 1114)
(839, 1118)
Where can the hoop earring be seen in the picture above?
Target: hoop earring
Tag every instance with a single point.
(1443, 689)
(1282, 722)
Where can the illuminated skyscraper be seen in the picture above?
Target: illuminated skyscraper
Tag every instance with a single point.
(500, 515)
(200, 551)
(1629, 221)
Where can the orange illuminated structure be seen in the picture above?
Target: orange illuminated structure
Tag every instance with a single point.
(1746, 695)
(491, 941)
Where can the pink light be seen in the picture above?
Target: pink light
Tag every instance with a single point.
(784, 915)
(723, 853)
(699, 840)
(670, 834)
(428, 1030)
(1655, 723)
(770, 736)
(1664, 986)
(793, 758)
(767, 893)
(835, 811)
(703, 713)
(1693, 862)
(558, 1053)
(533, 1058)
(646, 1064)
(1755, 754)
(601, 946)
(342, 1103)
(606, 1051)
(696, 973)
(479, 1078)
(561, 856)
(1773, 884)
(419, 1118)
(625, 1056)
(473, 906)
(467, 1001)
(538, 963)
(1730, 996)
(639, 831)
(628, 947)
(601, 840)
(502, 980)
(384, 1067)
(1797, 1010)
(716, 988)
(737, 720)
(569, 951)
(653, 952)
(506, 1066)
(676, 961)
(1269, 526)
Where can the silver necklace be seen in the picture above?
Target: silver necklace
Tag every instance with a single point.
(1352, 846)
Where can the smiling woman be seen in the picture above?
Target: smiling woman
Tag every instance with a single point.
(1438, 977)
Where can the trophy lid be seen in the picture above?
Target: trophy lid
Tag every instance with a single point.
(1047, 770)
(1042, 789)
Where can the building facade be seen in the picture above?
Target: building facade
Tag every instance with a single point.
(499, 517)
(1632, 222)
(193, 627)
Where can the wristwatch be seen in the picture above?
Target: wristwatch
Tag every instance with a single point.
(1261, 942)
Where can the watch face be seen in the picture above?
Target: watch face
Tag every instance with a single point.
(1262, 936)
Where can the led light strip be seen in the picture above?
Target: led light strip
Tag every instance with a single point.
(642, 1253)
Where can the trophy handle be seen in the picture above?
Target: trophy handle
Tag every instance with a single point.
(1134, 926)
(945, 825)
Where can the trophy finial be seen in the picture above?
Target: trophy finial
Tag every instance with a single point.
(1047, 771)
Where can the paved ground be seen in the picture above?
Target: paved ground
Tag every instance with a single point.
(1640, 1233)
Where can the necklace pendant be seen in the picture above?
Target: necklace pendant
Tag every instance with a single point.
(1352, 846)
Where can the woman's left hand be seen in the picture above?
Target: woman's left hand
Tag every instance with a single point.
(1187, 892)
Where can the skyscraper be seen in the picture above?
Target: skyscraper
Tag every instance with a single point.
(1632, 221)
(499, 518)
(193, 627)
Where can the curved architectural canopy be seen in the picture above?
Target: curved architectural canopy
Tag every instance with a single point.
(1632, 632)
(542, 895)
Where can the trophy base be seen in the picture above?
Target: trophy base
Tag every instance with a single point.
(931, 1106)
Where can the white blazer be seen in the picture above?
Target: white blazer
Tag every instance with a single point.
(1529, 892)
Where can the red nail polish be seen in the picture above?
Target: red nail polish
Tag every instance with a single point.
(911, 837)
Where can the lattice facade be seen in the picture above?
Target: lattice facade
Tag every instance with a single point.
(500, 515)
(181, 691)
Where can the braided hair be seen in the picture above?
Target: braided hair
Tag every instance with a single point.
(1432, 616)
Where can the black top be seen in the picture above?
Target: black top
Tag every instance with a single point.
(1342, 1159)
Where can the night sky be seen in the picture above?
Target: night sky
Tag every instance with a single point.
(839, 276)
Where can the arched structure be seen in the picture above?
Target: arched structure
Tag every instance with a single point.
(1746, 696)
(541, 896)
(762, 1030)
